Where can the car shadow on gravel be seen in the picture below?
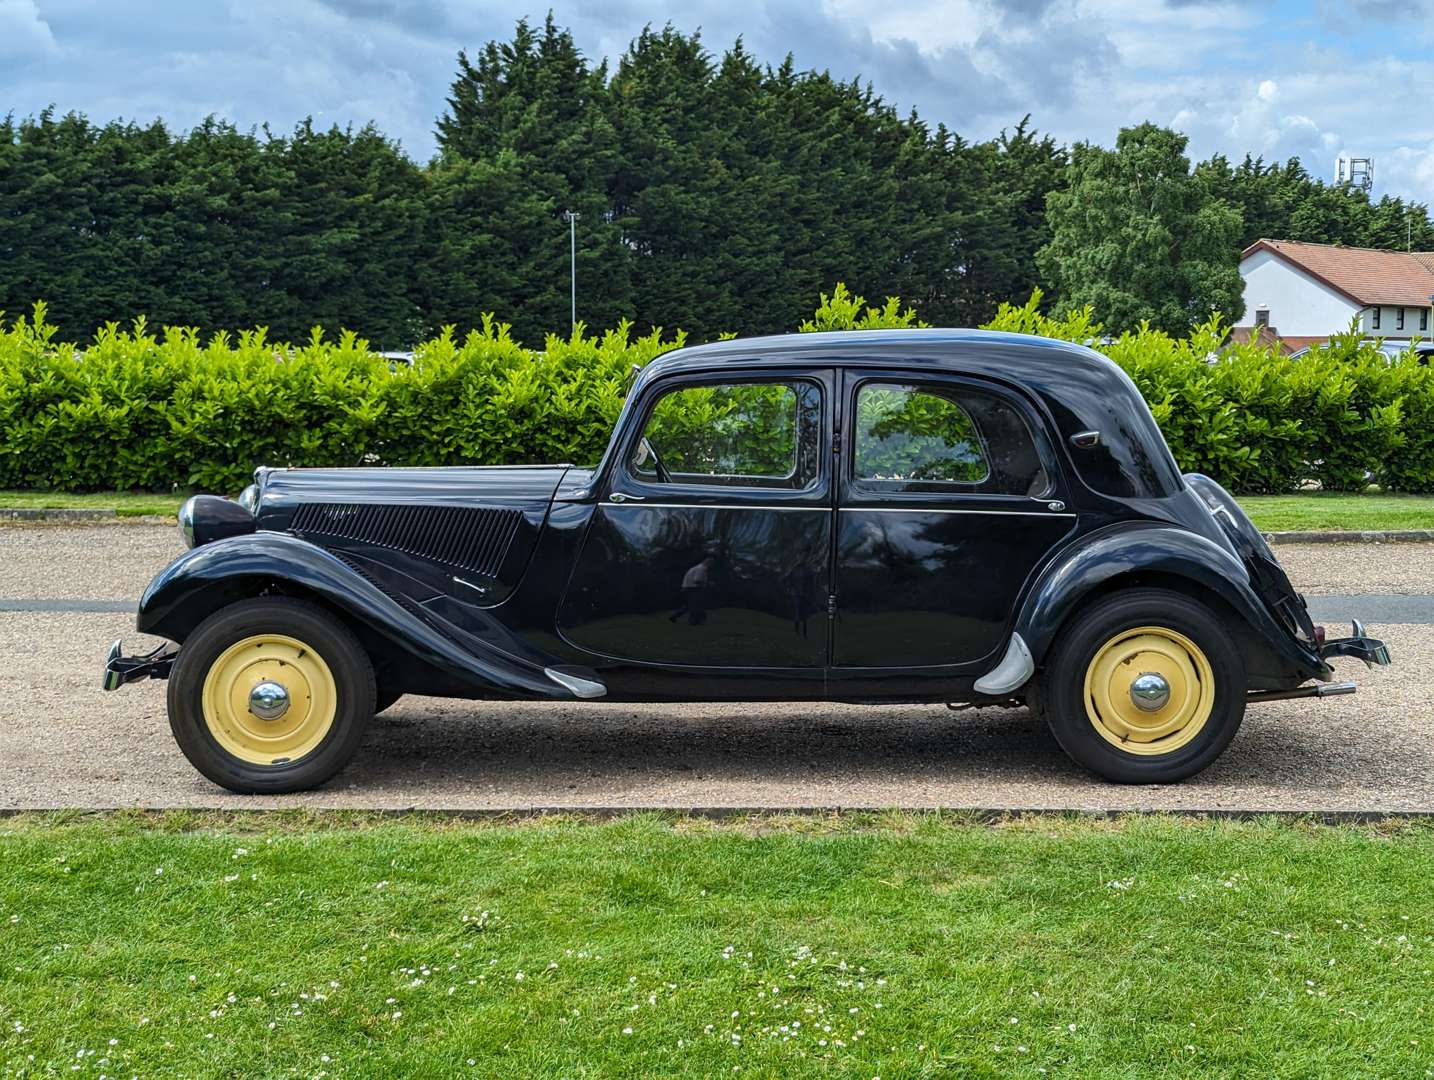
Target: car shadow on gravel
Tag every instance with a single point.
(532, 745)
(562, 752)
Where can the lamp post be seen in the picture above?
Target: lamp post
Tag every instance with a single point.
(571, 217)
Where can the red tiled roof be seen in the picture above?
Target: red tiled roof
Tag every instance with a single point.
(1267, 336)
(1365, 275)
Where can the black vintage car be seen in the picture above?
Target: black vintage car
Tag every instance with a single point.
(891, 516)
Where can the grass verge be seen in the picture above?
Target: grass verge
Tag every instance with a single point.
(1317, 511)
(124, 503)
(892, 945)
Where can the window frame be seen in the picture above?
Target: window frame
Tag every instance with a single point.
(623, 478)
(1399, 318)
(868, 483)
(855, 494)
(1423, 319)
(1374, 317)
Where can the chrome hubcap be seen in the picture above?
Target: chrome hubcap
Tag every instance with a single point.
(1150, 692)
(269, 700)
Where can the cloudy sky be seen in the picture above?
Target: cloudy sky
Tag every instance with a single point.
(1278, 78)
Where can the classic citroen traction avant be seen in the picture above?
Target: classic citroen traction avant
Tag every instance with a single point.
(889, 516)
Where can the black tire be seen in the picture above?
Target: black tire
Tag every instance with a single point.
(323, 635)
(1062, 691)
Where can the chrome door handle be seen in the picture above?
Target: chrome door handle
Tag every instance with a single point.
(619, 497)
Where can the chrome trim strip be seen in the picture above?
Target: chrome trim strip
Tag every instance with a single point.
(1014, 670)
(826, 509)
(186, 521)
(710, 506)
(946, 510)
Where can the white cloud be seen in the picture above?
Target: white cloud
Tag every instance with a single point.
(1082, 68)
(22, 31)
(1406, 168)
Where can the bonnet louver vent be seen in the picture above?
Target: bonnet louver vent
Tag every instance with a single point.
(467, 538)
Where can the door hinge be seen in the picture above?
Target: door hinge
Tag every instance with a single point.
(831, 605)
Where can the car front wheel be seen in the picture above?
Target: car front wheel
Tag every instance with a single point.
(270, 695)
(1145, 687)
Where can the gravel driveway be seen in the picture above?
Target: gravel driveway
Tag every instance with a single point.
(63, 742)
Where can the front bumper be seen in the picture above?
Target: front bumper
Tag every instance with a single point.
(127, 669)
(1358, 645)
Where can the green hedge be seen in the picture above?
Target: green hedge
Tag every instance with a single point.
(135, 410)
(1264, 423)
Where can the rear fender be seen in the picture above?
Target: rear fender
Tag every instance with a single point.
(207, 577)
(1140, 548)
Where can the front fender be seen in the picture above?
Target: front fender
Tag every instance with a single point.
(207, 577)
(1136, 548)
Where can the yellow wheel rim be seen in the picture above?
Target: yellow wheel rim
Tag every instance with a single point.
(1153, 724)
(243, 721)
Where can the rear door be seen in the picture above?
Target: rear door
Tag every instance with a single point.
(711, 545)
(948, 499)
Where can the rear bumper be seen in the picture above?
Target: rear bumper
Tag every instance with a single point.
(1358, 645)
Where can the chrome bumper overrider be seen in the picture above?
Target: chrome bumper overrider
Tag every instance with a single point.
(127, 669)
(1371, 650)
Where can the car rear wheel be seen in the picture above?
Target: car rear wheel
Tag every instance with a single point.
(270, 695)
(1146, 687)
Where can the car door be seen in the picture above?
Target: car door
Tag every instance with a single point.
(710, 547)
(948, 500)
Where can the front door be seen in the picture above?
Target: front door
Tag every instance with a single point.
(947, 502)
(711, 545)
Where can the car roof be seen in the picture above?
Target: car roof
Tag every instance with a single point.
(1083, 390)
(871, 347)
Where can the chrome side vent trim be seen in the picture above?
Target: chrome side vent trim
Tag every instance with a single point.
(466, 538)
(579, 687)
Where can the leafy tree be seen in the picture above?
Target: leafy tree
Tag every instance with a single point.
(715, 193)
(352, 214)
(1138, 238)
(1282, 201)
(538, 101)
(1008, 180)
(483, 220)
(216, 227)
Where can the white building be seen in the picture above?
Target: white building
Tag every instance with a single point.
(1305, 292)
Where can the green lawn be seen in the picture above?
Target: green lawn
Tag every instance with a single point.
(1316, 510)
(1271, 513)
(890, 945)
(124, 503)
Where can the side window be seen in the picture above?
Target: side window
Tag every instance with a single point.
(912, 438)
(743, 434)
